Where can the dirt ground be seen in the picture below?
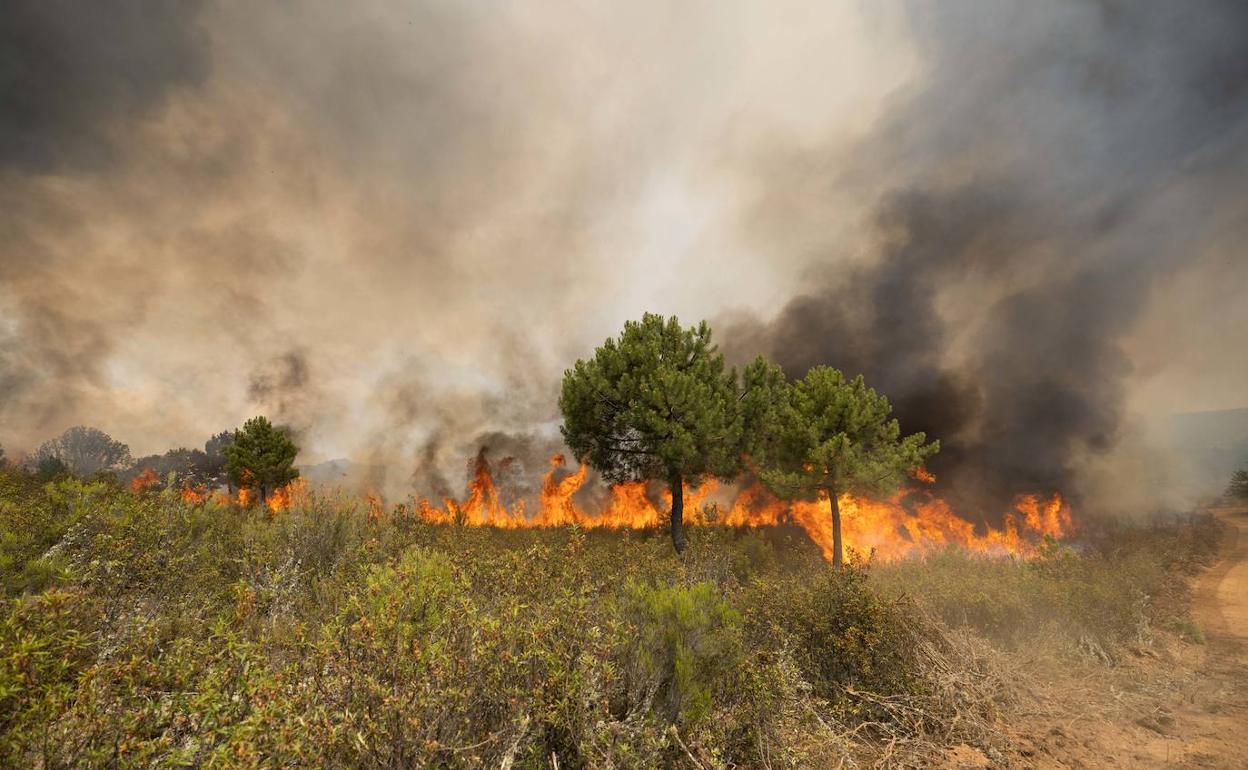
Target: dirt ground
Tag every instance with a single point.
(1172, 704)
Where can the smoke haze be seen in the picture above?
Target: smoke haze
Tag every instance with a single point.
(391, 226)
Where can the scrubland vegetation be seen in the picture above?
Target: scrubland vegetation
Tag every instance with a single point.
(140, 630)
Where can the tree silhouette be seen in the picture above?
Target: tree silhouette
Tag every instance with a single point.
(85, 451)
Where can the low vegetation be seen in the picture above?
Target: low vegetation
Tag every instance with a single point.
(1237, 490)
(140, 630)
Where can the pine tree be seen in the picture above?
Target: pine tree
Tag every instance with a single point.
(260, 457)
(830, 435)
(657, 404)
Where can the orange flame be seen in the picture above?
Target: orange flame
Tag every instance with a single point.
(194, 494)
(144, 481)
(284, 496)
(375, 506)
(909, 523)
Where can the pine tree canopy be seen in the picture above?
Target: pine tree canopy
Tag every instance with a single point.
(831, 433)
(260, 457)
(656, 403)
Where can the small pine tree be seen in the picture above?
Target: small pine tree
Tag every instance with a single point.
(831, 435)
(1238, 489)
(260, 457)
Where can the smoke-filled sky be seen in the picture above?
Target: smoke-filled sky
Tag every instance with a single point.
(392, 225)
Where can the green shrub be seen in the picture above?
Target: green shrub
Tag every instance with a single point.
(1121, 582)
(681, 640)
(34, 519)
(44, 651)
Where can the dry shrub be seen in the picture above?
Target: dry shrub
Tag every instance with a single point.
(195, 634)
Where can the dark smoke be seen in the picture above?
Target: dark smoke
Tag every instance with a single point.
(71, 75)
(518, 462)
(283, 389)
(1063, 163)
(427, 478)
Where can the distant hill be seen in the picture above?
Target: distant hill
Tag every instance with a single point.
(1213, 444)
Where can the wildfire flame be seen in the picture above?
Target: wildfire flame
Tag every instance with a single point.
(194, 494)
(375, 507)
(285, 496)
(909, 523)
(147, 479)
(914, 521)
(248, 495)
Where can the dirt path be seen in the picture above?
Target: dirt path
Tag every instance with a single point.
(1178, 705)
(1217, 710)
(1222, 593)
(1202, 720)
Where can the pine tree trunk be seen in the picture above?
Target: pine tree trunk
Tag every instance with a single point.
(264, 495)
(678, 514)
(837, 550)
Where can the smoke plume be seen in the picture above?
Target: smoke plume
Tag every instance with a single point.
(1061, 164)
(391, 226)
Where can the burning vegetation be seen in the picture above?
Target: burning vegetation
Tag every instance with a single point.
(912, 521)
(1021, 222)
(679, 439)
(667, 435)
(493, 622)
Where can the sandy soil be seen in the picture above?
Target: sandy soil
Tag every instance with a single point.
(1185, 705)
(1174, 704)
(1219, 732)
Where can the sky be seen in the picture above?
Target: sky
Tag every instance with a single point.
(392, 225)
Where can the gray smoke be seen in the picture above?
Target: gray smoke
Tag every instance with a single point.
(391, 226)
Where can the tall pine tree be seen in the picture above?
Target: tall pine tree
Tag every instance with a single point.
(657, 404)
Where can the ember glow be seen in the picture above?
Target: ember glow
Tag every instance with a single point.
(247, 497)
(910, 523)
(279, 499)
